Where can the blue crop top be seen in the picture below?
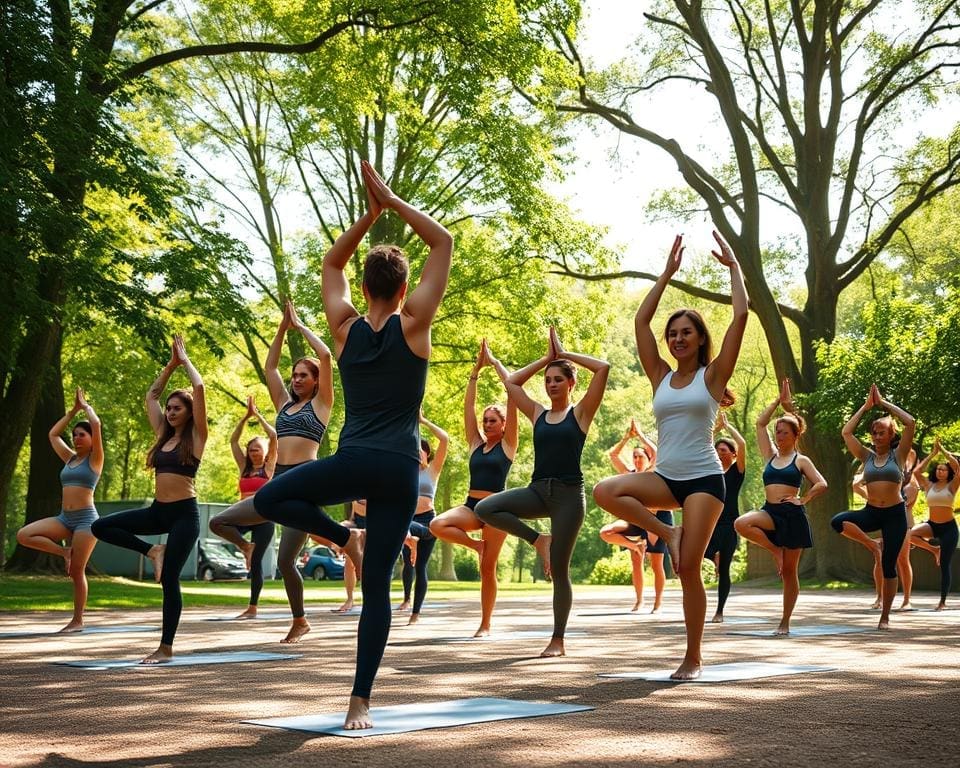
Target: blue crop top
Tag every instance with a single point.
(488, 469)
(168, 462)
(788, 475)
(889, 471)
(557, 449)
(302, 423)
(80, 475)
(427, 485)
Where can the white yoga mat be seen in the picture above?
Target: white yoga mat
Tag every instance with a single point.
(810, 630)
(725, 673)
(85, 631)
(189, 659)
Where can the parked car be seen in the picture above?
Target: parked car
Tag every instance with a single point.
(219, 560)
(321, 563)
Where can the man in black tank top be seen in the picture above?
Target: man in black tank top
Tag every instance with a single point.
(384, 351)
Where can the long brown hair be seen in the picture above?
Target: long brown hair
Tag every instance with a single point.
(314, 365)
(705, 350)
(248, 465)
(185, 446)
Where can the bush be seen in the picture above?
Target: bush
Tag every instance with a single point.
(615, 569)
(466, 564)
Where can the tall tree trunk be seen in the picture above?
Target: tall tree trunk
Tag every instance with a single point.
(447, 571)
(43, 491)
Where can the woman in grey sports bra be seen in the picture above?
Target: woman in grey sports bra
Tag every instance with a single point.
(303, 412)
(82, 466)
(883, 480)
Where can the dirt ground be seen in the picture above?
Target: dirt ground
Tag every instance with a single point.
(894, 699)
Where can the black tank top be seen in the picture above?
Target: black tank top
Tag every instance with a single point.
(733, 478)
(557, 449)
(383, 384)
(488, 471)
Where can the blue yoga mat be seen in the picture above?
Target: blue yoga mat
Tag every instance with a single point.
(810, 630)
(418, 717)
(190, 659)
(724, 673)
(85, 631)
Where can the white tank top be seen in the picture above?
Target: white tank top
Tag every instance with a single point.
(943, 497)
(685, 419)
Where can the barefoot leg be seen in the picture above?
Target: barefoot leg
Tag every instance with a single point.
(162, 655)
(358, 715)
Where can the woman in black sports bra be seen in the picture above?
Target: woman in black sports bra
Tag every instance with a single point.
(781, 526)
(492, 450)
(181, 430)
(303, 411)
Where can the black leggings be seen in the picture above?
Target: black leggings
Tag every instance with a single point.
(388, 481)
(723, 542)
(420, 527)
(948, 534)
(180, 520)
(890, 521)
(565, 505)
(261, 535)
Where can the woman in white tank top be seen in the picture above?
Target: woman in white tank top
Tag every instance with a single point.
(688, 474)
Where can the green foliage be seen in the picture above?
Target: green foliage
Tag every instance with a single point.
(613, 569)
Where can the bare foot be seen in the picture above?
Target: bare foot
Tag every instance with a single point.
(688, 670)
(884, 624)
(298, 629)
(482, 632)
(156, 556)
(876, 604)
(347, 606)
(778, 559)
(414, 617)
(717, 618)
(250, 613)
(936, 556)
(940, 607)
(247, 549)
(67, 558)
(478, 546)
(542, 545)
(554, 648)
(656, 609)
(404, 606)
(162, 655)
(905, 606)
(354, 550)
(75, 625)
(673, 547)
(358, 715)
(411, 544)
(782, 630)
(637, 605)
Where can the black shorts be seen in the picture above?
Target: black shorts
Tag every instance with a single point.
(471, 502)
(360, 522)
(712, 484)
(660, 548)
(791, 526)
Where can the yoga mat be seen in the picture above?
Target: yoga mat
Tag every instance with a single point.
(264, 616)
(724, 673)
(224, 657)
(518, 635)
(811, 630)
(738, 620)
(85, 631)
(418, 717)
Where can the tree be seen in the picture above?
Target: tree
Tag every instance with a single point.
(808, 97)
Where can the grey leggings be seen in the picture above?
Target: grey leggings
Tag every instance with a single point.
(565, 505)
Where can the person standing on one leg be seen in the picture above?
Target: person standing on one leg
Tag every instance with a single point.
(940, 489)
(358, 522)
(181, 430)
(781, 526)
(417, 557)
(303, 411)
(382, 358)
(688, 474)
(492, 450)
(732, 452)
(883, 480)
(82, 466)
(556, 489)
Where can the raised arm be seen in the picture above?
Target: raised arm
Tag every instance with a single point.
(654, 366)
(510, 431)
(763, 435)
(955, 466)
(616, 452)
(238, 455)
(739, 439)
(152, 400)
(270, 462)
(271, 370)
(920, 471)
(514, 382)
(422, 304)
(909, 425)
(443, 443)
(200, 427)
(471, 429)
(337, 304)
(720, 370)
(588, 405)
(324, 397)
(96, 450)
(55, 435)
(853, 444)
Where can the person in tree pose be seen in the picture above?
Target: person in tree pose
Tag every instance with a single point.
(181, 429)
(492, 449)
(732, 452)
(689, 475)
(303, 410)
(82, 466)
(556, 488)
(781, 526)
(382, 357)
(357, 520)
(883, 480)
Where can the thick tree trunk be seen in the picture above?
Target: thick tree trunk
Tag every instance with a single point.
(447, 571)
(43, 491)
